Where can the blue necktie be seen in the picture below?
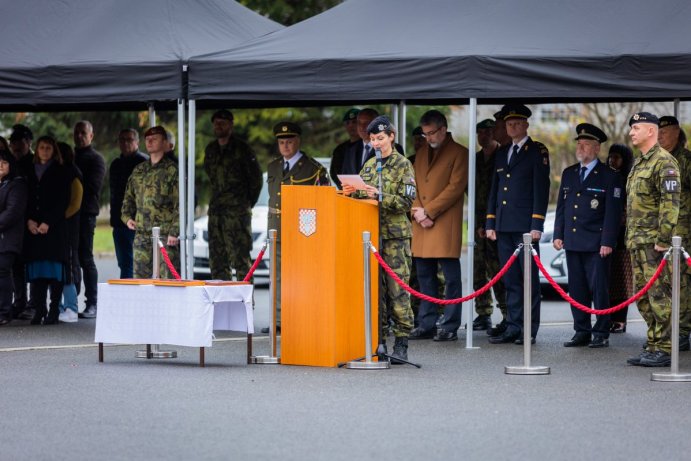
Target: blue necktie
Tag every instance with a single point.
(583, 170)
(515, 151)
(286, 167)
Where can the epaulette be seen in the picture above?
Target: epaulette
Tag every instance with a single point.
(542, 147)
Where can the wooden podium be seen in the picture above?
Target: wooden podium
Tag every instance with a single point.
(322, 300)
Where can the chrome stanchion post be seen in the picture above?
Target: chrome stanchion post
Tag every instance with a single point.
(156, 352)
(673, 375)
(368, 364)
(527, 368)
(272, 359)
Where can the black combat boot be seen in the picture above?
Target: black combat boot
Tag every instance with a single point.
(400, 351)
(684, 344)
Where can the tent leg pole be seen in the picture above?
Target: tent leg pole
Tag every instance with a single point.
(472, 142)
(191, 149)
(182, 189)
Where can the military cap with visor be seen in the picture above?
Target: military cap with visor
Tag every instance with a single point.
(516, 111)
(590, 131)
(668, 120)
(287, 130)
(223, 114)
(644, 117)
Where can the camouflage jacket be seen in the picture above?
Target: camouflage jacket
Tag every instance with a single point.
(234, 175)
(484, 172)
(683, 229)
(306, 172)
(652, 199)
(151, 197)
(398, 190)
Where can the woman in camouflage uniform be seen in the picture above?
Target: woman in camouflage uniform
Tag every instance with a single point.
(398, 193)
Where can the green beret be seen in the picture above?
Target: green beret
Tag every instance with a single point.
(485, 124)
(668, 120)
(351, 114)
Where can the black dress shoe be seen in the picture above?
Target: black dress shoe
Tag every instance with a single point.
(520, 341)
(502, 339)
(482, 322)
(266, 329)
(444, 335)
(578, 340)
(499, 329)
(5, 321)
(419, 333)
(598, 342)
(89, 313)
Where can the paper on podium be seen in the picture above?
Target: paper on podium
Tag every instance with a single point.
(352, 180)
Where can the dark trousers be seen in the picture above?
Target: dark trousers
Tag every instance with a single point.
(87, 224)
(507, 242)
(6, 285)
(427, 277)
(589, 285)
(123, 238)
(39, 292)
(19, 277)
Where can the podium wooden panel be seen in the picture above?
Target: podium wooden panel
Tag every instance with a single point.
(322, 305)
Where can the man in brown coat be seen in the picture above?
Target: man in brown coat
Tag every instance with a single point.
(441, 175)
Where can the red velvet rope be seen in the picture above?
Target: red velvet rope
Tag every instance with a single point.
(610, 310)
(171, 268)
(254, 266)
(424, 297)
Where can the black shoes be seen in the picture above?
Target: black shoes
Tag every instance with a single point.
(266, 329)
(503, 338)
(656, 359)
(419, 333)
(498, 330)
(684, 344)
(618, 327)
(520, 341)
(598, 342)
(400, 351)
(89, 313)
(482, 322)
(444, 335)
(578, 340)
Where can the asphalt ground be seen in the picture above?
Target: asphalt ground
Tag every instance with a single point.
(59, 402)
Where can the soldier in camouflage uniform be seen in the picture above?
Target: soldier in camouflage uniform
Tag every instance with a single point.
(485, 256)
(673, 139)
(398, 188)
(235, 178)
(292, 168)
(652, 209)
(151, 200)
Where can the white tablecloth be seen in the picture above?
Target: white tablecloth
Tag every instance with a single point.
(183, 316)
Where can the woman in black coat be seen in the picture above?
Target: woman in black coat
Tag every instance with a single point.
(12, 209)
(46, 246)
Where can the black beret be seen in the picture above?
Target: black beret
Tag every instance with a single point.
(223, 114)
(287, 130)
(588, 131)
(668, 120)
(379, 124)
(351, 114)
(516, 111)
(486, 123)
(417, 131)
(20, 131)
(156, 130)
(644, 117)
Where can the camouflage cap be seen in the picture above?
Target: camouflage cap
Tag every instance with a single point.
(287, 130)
(644, 117)
(485, 124)
(589, 131)
(668, 120)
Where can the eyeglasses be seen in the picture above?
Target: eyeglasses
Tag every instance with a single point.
(430, 133)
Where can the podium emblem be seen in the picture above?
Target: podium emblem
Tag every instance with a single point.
(307, 221)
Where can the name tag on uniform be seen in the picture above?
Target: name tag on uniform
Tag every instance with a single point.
(617, 192)
(500, 170)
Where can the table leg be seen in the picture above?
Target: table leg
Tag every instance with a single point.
(100, 352)
(201, 357)
(249, 348)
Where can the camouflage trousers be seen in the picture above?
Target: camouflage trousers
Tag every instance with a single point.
(230, 243)
(143, 257)
(394, 301)
(656, 305)
(486, 266)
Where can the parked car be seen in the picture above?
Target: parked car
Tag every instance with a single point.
(553, 260)
(259, 235)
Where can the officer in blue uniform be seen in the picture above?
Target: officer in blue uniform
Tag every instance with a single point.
(517, 205)
(587, 225)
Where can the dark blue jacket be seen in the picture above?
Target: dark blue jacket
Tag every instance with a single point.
(589, 214)
(520, 190)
